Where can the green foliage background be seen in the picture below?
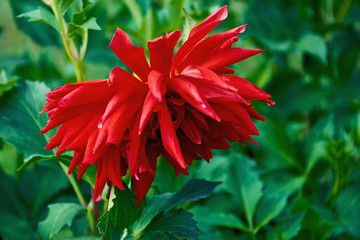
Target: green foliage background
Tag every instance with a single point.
(301, 182)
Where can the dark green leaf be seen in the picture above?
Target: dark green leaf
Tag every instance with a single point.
(19, 113)
(89, 175)
(193, 190)
(269, 208)
(120, 216)
(41, 15)
(347, 210)
(291, 227)
(221, 220)
(179, 224)
(60, 214)
(244, 184)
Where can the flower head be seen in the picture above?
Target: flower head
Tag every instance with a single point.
(180, 107)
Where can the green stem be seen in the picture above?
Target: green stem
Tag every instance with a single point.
(74, 185)
(70, 48)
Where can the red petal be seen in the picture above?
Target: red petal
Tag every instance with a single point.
(131, 56)
(157, 85)
(191, 94)
(168, 135)
(228, 56)
(161, 51)
(196, 34)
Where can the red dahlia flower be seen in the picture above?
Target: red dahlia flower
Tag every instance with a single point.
(180, 107)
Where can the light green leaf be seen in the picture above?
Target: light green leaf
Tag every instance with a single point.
(20, 119)
(63, 5)
(315, 45)
(244, 184)
(189, 24)
(60, 214)
(41, 15)
(91, 24)
(6, 83)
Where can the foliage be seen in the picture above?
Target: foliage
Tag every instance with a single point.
(300, 182)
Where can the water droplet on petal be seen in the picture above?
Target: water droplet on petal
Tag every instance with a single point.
(100, 125)
(203, 105)
(136, 176)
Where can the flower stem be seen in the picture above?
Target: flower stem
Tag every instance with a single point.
(74, 185)
(74, 55)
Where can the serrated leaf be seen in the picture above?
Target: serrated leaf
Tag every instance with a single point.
(120, 216)
(41, 15)
(60, 214)
(244, 184)
(193, 190)
(189, 24)
(19, 113)
(179, 224)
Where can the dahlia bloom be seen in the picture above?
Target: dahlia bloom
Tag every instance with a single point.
(180, 107)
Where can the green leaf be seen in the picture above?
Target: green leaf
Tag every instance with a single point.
(41, 15)
(9, 159)
(221, 220)
(178, 224)
(269, 208)
(189, 24)
(89, 176)
(88, 24)
(6, 83)
(19, 113)
(315, 45)
(91, 24)
(120, 216)
(193, 190)
(63, 5)
(291, 227)
(60, 214)
(84, 238)
(244, 184)
(347, 211)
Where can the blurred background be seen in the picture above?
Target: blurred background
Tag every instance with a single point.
(303, 179)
